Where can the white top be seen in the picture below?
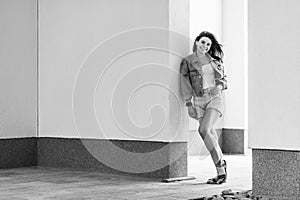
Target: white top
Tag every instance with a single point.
(208, 76)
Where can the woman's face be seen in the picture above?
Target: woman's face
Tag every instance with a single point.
(203, 45)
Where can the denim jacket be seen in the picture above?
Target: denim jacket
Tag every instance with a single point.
(191, 80)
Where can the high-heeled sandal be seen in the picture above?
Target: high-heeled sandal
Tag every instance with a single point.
(220, 178)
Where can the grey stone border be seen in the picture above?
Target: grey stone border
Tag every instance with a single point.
(18, 152)
(72, 154)
(233, 141)
(276, 173)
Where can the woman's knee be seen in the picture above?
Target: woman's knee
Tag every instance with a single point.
(204, 130)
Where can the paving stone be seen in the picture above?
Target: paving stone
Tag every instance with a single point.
(49, 183)
(219, 198)
(228, 194)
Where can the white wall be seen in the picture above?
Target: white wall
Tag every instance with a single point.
(81, 48)
(206, 15)
(226, 19)
(227, 23)
(234, 41)
(203, 19)
(18, 80)
(274, 74)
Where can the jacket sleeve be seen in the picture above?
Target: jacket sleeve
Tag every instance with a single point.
(185, 82)
(223, 80)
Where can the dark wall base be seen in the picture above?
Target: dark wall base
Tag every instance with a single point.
(233, 141)
(276, 173)
(73, 154)
(18, 152)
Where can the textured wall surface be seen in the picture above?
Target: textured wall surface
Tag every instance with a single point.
(137, 158)
(18, 152)
(233, 141)
(276, 173)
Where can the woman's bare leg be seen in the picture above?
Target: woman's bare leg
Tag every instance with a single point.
(209, 136)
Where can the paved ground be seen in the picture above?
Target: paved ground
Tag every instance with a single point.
(45, 183)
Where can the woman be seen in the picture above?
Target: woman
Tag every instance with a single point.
(203, 79)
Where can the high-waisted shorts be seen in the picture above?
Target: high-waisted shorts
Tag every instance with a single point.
(208, 100)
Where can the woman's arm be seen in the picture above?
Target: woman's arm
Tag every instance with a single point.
(185, 82)
(222, 82)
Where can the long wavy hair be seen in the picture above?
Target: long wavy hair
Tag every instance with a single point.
(215, 50)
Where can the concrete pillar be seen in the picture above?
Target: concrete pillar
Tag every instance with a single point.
(18, 81)
(274, 97)
(109, 86)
